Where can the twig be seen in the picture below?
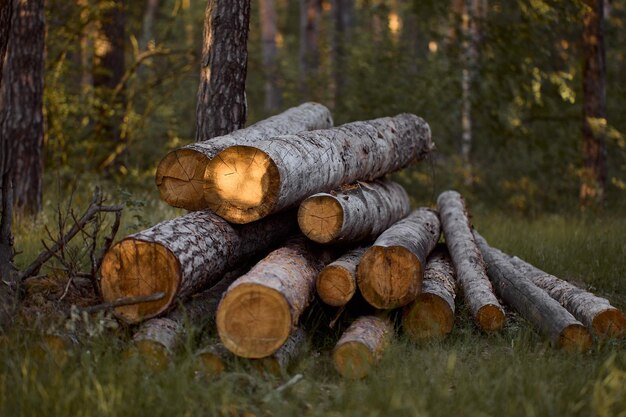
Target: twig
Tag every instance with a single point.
(121, 302)
(334, 320)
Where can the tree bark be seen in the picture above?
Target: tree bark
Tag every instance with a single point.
(391, 271)
(361, 346)
(596, 313)
(246, 183)
(468, 263)
(180, 175)
(261, 308)
(594, 173)
(182, 256)
(221, 106)
(356, 213)
(431, 315)
(310, 16)
(548, 317)
(336, 283)
(270, 55)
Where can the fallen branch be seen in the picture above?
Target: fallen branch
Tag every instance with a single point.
(121, 302)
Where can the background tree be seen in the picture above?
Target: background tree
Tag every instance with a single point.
(270, 55)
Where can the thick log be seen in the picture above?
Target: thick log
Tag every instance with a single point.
(361, 346)
(468, 263)
(359, 212)
(246, 183)
(597, 313)
(391, 271)
(431, 315)
(181, 257)
(180, 175)
(546, 315)
(336, 283)
(261, 308)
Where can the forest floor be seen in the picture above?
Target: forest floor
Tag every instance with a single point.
(514, 373)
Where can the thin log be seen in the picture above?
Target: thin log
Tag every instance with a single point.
(336, 283)
(248, 182)
(391, 271)
(356, 213)
(180, 175)
(468, 263)
(546, 315)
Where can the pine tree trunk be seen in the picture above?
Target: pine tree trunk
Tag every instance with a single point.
(358, 212)
(180, 175)
(336, 283)
(270, 55)
(221, 106)
(343, 16)
(469, 59)
(152, 7)
(246, 183)
(6, 11)
(310, 16)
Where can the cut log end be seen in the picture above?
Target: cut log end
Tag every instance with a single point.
(609, 323)
(575, 338)
(353, 360)
(490, 318)
(180, 179)
(135, 268)
(210, 363)
(335, 285)
(429, 317)
(241, 184)
(389, 277)
(253, 321)
(321, 218)
(153, 354)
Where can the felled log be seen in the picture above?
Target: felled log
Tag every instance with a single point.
(597, 313)
(360, 212)
(431, 315)
(260, 309)
(391, 270)
(336, 283)
(362, 345)
(468, 263)
(546, 315)
(246, 183)
(213, 360)
(278, 362)
(182, 256)
(180, 175)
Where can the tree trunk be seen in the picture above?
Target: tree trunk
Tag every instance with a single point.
(597, 313)
(343, 16)
(270, 55)
(152, 7)
(86, 46)
(594, 173)
(362, 345)
(391, 271)
(180, 175)
(534, 304)
(358, 212)
(6, 11)
(336, 283)
(431, 315)
(180, 257)
(260, 309)
(468, 263)
(469, 59)
(221, 106)
(310, 16)
(246, 183)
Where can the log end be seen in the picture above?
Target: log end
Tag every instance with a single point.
(609, 323)
(428, 317)
(267, 365)
(210, 363)
(389, 277)
(335, 285)
(575, 338)
(320, 218)
(490, 318)
(135, 268)
(353, 360)
(180, 179)
(241, 184)
(152, 354)
(253, 321)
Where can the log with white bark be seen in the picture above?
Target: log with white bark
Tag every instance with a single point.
(431, 315)
(182, 256)
(468, 263)
(391, 270)
(356, 213)
(362, 345)
(597, 313)
(246, 183)
(261, 308)
(336, 283)
(546, 315)
(180, 175)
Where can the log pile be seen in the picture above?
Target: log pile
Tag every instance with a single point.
(291, 212)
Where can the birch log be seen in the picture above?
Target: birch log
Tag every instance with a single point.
(356, 213)
(246, 183)
(180, 175)
(336, 283)
(391, 270)
(182, 256)
(548, 317)
(431, 315)
(596, 313)
(260, 309)
(362, 345)
(468, 263)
